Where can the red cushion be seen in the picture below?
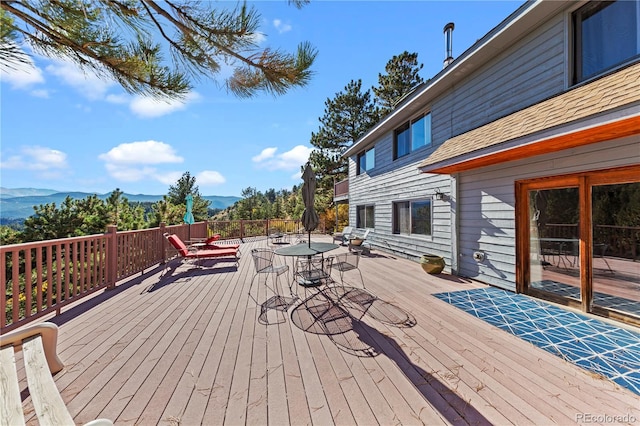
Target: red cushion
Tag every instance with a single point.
(211, 239)
(177, 243)
(212, 253)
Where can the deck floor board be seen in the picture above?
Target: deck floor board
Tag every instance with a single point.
(187, 345)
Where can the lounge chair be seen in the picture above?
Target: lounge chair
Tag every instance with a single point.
(38, 344)
(204, 253)
(210, 243)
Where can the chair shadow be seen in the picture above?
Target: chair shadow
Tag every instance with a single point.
(339, 315)
(168, 276)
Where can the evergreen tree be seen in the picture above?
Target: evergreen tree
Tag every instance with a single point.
(166, 212)
(346, 117)
(93, 215)
(177, 196)
(9, 236)
(116, 39)
(401, 78)
(246, 207)
(50, 222)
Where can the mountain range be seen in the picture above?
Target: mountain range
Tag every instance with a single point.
(18, 203)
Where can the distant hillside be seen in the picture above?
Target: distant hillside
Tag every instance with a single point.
(24, 192)
(21, 206)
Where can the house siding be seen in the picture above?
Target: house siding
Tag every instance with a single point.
(480, 99)
(534, 68)
(487, 203)
(402, 184)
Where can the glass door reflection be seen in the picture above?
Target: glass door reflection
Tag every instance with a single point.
(554, 241)
(616, 248)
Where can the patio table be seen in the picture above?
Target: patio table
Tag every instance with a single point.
(308, 250)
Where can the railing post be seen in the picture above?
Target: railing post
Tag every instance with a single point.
(112, 256)
(241, 229)
(163, 242)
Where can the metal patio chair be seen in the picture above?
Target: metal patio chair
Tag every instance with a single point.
(263, 262)
(346, 262)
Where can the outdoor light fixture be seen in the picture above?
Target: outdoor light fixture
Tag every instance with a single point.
(439, 195)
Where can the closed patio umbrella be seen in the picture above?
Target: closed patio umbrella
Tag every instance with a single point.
(188, 216)
(310, 218)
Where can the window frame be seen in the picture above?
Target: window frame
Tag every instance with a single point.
(408, 142)
(577, 17)
(364, 155)
(359, 208)
(396, 228)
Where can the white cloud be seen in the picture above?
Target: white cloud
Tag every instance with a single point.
(117, 99)
(209, 178)
(169, 178)
(134, 161)
(129, 174)
(265, 154)
(86, 83)
(21, 75)
(143, 152)
(146, 107)
(290, 160)
(45, 162)
(281, 27)
(258, 38)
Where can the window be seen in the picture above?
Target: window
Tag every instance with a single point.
(412, 135)
(366, 160)
(412, 217)
(606, 34)
(365, 217)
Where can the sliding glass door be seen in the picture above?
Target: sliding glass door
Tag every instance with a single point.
(616, 256)
(554, 258)
(579, 241)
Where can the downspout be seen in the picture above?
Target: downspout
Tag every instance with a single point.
(455, 229)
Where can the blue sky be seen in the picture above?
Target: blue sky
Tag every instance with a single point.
(66, 131)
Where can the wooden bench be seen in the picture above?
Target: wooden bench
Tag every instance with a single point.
(38, 344)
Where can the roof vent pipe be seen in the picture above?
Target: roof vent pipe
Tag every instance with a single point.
(448, 43)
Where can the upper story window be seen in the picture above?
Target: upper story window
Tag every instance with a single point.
(606, 34)
(366, 160)
(412, 135)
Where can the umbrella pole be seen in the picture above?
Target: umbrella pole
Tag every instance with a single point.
(309, 239)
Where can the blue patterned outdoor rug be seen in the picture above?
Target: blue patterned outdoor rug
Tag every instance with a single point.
(592, 344)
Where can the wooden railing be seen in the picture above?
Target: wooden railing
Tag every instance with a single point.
(341, 189)
(620, 241)
(42, 277)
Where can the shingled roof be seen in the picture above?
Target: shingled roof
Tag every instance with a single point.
(608, 93)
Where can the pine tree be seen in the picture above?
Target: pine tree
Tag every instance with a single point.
(177, 196)
(123, 40)
(401, 78)
(346, 117)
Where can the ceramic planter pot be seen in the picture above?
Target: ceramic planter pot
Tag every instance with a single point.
(432, 264)
(356, 241)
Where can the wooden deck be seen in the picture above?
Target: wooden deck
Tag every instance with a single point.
(186, 347)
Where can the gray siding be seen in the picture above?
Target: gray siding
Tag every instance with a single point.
(487, 203)
(513, 81)
(401, 183)
(530, 71)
